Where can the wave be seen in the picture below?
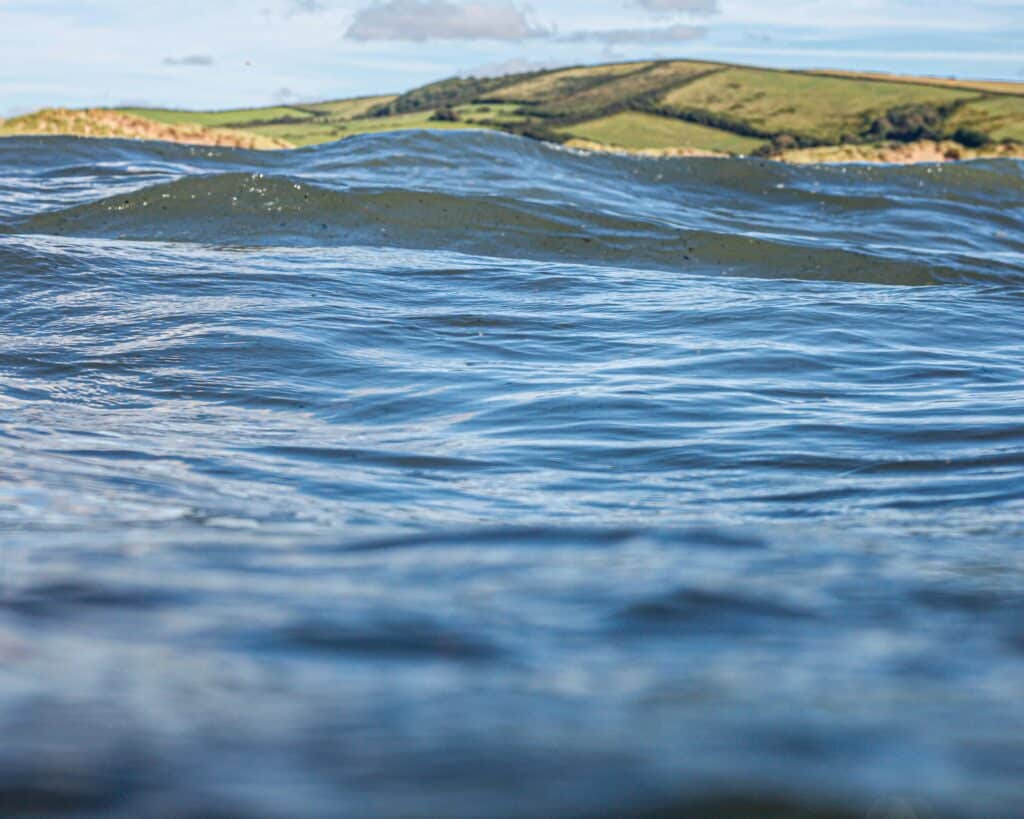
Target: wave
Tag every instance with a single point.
(399, 476)
(501, 197)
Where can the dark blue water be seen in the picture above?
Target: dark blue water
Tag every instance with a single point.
(453, 475)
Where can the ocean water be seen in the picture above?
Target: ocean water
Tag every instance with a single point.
(456, 475)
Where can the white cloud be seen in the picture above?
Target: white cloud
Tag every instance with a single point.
(421, 20)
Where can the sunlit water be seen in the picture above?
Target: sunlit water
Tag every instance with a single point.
(453, 475)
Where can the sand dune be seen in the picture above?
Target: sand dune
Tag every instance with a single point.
(99, 122)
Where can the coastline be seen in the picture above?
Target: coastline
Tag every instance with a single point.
(920, 152)
(109, 124)
(654, 108)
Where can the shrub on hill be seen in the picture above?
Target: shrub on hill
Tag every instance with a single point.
(970, 138)
(445, 114)
(908, 123)
(446, 93)
(780, 143)
(536, 130)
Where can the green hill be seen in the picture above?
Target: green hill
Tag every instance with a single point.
(679, 105)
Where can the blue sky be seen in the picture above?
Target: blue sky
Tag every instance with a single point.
(222, 53)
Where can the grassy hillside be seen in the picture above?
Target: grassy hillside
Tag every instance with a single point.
(999, 118)
(988, 86)
(313, 132)
(297, 125)
(663, 105)
(219, 119)
(549, 86)
(636, 130)
(819, 109)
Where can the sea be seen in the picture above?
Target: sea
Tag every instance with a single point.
(459, 475)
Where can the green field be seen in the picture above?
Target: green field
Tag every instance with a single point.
(1001, 118)
(346, 109)
(637, 130)
(985, 86)
(599, 100)
(554, 85)
(314, 132)
(300, 125)
(663, 104)
(219, 119)
(822, 108)
(493, 113)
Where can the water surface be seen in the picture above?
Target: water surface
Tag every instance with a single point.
(456, 475)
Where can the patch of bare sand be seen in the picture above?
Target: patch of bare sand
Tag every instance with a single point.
(900, 153)
(896, 153)
(597, 147)
(104, 123)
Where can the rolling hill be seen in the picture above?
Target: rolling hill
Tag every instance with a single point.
(682, 106)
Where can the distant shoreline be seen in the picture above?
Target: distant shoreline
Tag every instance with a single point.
(885, 153)
(891, 153)
(655, 108)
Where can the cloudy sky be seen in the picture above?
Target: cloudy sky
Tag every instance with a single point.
(222, 53)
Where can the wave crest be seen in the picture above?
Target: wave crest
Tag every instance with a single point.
(496, 196)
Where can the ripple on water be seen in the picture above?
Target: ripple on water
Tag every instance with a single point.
(412, 474)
